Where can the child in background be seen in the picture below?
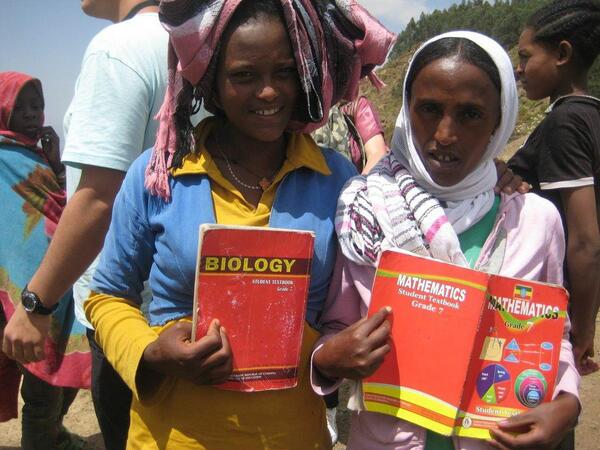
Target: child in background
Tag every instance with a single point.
(31, 179)
(23, 119)
(433, 195)
(561, 158)
(354, 129)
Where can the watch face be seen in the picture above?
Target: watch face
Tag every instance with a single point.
(29, 302)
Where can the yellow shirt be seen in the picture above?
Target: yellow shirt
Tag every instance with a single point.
(182, 415)
(231, 208)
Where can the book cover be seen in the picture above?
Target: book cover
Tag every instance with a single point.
(468, 348)
(255, 281)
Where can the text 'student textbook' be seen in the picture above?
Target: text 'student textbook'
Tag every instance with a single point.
(468, 348)
(255, 281)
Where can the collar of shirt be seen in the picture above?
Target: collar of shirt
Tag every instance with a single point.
(301, 152)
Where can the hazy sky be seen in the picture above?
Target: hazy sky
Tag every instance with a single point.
(47, 39)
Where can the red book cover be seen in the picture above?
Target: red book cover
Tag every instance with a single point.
(468, 348)
(255, 281)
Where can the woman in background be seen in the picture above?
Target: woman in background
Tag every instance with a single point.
(31, 185)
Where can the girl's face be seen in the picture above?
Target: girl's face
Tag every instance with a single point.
(537, 69)
(454, 110)
(257, 81)
(27, 116)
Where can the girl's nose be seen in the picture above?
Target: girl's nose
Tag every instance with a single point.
(267, 91)
(518, 72)
(445, 133)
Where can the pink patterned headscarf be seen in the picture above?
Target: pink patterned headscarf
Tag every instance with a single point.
(335, 44)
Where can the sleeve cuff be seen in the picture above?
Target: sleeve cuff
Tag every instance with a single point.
(547, 186)
(320, 384)
(568, 377)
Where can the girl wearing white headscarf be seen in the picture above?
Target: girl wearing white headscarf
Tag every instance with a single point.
(432, 197)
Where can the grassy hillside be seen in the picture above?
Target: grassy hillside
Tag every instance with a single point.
(472, 15)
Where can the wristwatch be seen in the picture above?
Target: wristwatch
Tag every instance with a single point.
(32, 303)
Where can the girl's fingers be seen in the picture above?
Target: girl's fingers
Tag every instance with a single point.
(379, 336)
(372, 323)
(519, 423)
(379, 353)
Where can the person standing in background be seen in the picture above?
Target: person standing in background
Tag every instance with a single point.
(109, 122)
(33, 198)
(561, 157)
(355, 130)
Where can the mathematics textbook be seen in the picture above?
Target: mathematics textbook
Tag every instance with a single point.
(255, 281)
(468, 348)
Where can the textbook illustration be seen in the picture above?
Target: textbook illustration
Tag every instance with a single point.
(255, 281)
(468, 348)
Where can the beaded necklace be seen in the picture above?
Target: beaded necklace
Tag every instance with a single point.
(263, 183)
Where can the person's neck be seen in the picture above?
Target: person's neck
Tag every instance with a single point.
(127, 6)
(573, 86)
(257, 156)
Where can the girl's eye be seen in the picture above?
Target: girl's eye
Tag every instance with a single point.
(288, 71)
(430, 108)
(242, 76)
(471, 114)
(523, 58)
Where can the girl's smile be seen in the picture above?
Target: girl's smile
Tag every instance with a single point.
(257, 82)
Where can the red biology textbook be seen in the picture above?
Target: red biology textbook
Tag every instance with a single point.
(255, 281)
(468, 348)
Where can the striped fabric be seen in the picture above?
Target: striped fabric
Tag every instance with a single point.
(388, 209)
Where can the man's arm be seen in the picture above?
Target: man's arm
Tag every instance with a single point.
(583, 263)
(77, 241)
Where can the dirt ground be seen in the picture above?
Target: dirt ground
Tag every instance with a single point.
(81, 419)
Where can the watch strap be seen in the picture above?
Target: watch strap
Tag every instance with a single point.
(38, 306)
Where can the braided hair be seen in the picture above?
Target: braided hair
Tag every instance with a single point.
(575, 21)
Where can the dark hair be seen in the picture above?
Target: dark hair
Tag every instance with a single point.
(190, 97)
(575, 21)
(465, 49)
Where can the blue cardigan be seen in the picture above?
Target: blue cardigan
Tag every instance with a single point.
(150, 239)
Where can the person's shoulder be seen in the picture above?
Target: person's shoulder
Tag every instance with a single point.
(137, 171)
(573, 108)
(140, 163)
(530, 207)
(338, 163)
(142, 33)
(11, 152)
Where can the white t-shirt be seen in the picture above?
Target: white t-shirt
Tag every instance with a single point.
(110, 120)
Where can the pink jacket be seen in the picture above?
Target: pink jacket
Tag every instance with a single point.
(527, 242)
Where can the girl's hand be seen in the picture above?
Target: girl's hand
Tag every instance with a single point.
(583, 351)
(357, 351)
(51, 147)
(541, 428)
(508, 182)
(207, 361)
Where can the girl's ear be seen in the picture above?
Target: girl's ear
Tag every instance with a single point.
(565, 53)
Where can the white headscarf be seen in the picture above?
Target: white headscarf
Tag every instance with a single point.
(471, 198)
